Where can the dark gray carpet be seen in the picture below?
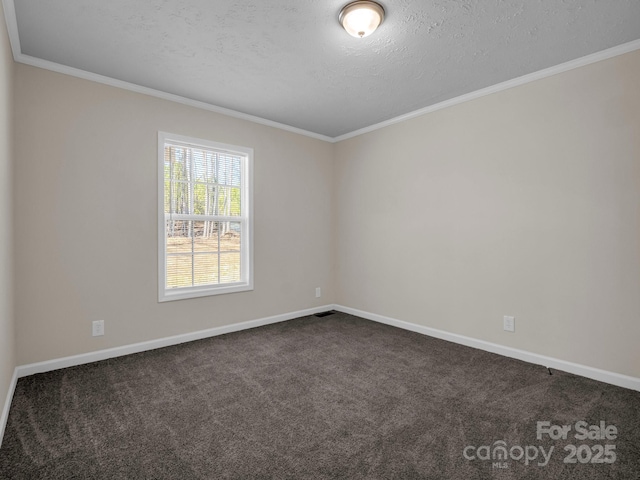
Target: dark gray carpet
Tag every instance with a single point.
(332, 397)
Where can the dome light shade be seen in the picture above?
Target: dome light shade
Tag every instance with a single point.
(361, 18)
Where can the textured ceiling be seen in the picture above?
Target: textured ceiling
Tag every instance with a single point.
(289, 61)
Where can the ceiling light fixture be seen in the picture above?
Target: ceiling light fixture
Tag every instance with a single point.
(361, 18)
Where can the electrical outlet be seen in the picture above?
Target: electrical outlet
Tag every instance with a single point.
(318, 292)
(98, 328)
(509, 324)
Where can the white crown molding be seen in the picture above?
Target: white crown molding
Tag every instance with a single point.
(531, 77)
(605, 376)
(18, 56)
(12, 27)
(94, 77)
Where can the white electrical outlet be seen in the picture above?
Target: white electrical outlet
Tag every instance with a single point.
(509, 324)
(318, 292)
(98, 328)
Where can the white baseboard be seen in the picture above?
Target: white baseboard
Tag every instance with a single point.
(55, 364)
(7, 404)
(612, 378)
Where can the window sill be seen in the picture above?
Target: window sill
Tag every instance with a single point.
(169, 295)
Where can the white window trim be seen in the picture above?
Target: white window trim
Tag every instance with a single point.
(165, 294)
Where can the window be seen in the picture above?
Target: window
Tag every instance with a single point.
(205, 239)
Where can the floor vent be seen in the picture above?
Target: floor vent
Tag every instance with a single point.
(324, 314)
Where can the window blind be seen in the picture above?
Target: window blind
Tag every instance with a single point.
(205, 219)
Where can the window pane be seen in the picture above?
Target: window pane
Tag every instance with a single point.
(229, 267)
(229, 169)
(179, 197)
(167, 196)
(210, 200)
(199, 164)
(230, 236)
(229, 201)
(236, 210)
(199, 198)
(179, 236)
(206, 237)
(167, 179)
(179, 271)
(205, 267)
(223, 202)
(179, 162)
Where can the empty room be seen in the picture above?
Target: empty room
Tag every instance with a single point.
(304, 239)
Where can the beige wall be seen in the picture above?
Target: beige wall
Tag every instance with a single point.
(86, 221)
(7, 359)
(525, 203)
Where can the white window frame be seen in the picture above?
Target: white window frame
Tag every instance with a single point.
(246, 219)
